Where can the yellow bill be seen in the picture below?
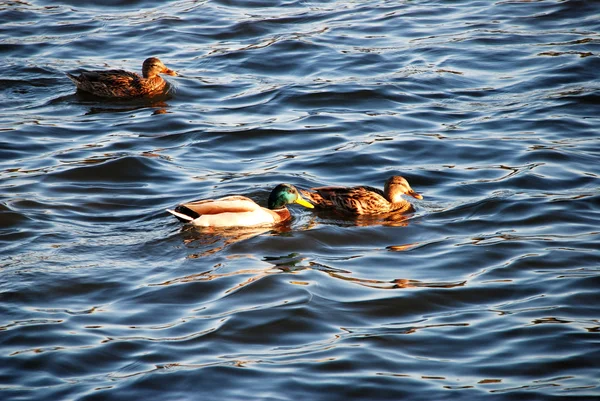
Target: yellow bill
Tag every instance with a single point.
(304, 202)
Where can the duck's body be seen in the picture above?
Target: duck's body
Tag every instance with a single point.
(121, 84)
(240, 211)
(365, 200)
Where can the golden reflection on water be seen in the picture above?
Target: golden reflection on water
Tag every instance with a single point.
(217, 239)
(397, 283)
(290, 263)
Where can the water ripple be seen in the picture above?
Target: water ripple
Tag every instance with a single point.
(488, 289)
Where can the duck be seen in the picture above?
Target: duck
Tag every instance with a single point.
(240, 211)
(365, 200)
(121, 84)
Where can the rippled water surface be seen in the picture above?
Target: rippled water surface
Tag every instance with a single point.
(490, 288)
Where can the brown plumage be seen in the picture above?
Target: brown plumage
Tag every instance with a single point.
(121, 84)
(364, 200)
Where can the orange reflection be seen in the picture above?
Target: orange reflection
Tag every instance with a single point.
(385, 284)
(216, 239)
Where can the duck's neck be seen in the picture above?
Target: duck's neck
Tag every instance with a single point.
(153, 78)
(402, 206)
(155, 83)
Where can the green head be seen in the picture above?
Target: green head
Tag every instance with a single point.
(284, 194)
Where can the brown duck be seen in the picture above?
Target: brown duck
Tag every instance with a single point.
(364, 200)
(121, 84)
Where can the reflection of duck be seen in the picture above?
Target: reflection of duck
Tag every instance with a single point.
(365, 200)
(121, 84)
(239, 211)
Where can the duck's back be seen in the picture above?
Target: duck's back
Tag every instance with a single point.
(111, 83)
(356, 200)
(230, 211)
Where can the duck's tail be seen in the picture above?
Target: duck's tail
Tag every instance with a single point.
(72, 78)
(181, 216)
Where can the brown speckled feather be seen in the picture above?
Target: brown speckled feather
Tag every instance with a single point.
(121, 84)
(364, 200)
(117, 83)
(356, 200)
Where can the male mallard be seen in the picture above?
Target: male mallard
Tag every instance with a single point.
(121, 84)
(239, 211)
(365, 200)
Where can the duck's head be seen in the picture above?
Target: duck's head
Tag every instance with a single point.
(153, 66)
(284, 194)
(396, 186)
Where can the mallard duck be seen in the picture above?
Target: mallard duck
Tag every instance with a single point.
(239, 211)
(121, 84)
(365, 200)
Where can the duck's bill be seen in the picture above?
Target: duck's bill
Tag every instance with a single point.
(415, 195)
(169, 72)
(303, 202)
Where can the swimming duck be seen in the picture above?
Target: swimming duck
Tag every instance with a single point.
(239, 211)
(121, 84)
(363, 200)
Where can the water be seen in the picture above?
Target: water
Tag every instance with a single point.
(490, 109)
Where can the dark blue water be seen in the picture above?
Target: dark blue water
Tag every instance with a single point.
(491, 288)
